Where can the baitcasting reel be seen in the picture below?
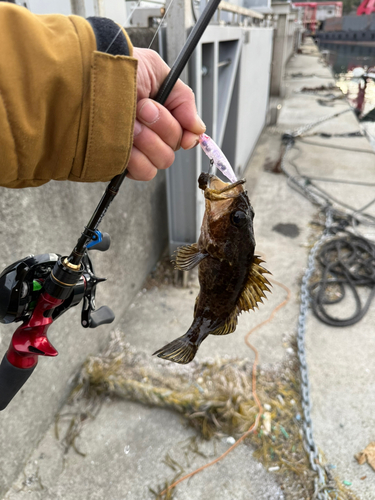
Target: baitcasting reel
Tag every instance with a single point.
(22, 282)
(37, 290)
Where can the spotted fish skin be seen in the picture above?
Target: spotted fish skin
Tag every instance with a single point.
(231, 276)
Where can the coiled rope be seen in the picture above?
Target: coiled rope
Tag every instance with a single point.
(348, 262)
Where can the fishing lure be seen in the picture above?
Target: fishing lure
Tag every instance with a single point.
(217, 157)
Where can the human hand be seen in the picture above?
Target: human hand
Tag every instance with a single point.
(159, 130)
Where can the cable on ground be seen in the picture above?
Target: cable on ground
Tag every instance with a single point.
(332, 146)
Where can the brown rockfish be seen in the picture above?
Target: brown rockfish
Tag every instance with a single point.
(230, 275)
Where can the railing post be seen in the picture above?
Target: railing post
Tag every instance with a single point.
(78, 7)
(281, 9)
(179, 21)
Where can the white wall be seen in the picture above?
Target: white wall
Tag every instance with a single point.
(255, 71)
(49, 6)
(113, 9)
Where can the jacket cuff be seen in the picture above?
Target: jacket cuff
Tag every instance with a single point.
(106, 134)
(111, 118)
(110, 37)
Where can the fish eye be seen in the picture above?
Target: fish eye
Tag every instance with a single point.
(238, 218)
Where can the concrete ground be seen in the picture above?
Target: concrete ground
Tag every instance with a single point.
(127, 444)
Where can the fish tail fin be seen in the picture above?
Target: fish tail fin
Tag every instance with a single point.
(180, 350)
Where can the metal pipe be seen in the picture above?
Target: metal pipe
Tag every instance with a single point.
(226, 62)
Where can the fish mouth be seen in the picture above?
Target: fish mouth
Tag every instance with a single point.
(216, 189)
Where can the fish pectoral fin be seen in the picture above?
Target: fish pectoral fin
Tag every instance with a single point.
(188, 256)
(229, 326)
(255, 287)
(180, 351)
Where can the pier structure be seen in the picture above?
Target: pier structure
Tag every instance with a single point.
(127, 445)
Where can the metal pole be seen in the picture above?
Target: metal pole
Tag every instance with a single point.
(78, 7)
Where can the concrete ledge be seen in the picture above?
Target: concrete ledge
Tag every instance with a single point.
(50, 219)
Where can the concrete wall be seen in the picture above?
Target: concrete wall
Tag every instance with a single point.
(255, 72)
(50, 219)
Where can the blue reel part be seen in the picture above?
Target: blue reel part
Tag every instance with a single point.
(99, 241)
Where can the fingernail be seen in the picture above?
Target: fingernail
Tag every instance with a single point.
(195, 143)
(149, 112)
(201, 122)
(137, 128)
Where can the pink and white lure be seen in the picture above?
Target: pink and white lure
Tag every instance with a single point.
(218, 158)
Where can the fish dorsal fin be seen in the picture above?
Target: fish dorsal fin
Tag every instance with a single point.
(188, 256)
(252, 293)
(255, 287)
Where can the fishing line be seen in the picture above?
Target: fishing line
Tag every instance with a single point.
(123, 27)
(161, 22)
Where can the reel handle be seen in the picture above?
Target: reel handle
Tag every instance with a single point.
(102, 316)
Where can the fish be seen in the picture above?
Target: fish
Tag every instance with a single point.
(231, 276)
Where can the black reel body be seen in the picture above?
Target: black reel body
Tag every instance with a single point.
(22, 283)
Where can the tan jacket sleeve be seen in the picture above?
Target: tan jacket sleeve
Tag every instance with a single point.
(66, 110)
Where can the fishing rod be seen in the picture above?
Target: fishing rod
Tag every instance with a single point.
(37, 290)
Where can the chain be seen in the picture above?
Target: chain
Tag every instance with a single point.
(305, 128)
(308, 439)
(323, 484)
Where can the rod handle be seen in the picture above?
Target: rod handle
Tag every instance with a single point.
(11, 381)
